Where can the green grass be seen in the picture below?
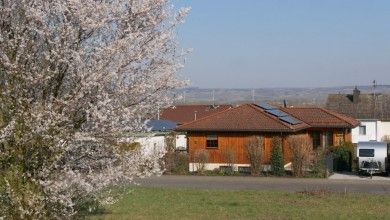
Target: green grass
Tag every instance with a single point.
(167, 203)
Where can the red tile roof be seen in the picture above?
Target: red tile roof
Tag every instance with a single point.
(321, 118)
(186, 113)
(247, 117)
(250, 117)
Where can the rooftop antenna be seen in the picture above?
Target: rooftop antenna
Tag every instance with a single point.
(213, 97)
(374, 84)
(253, 95)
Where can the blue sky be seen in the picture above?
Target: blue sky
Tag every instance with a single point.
(290, 43)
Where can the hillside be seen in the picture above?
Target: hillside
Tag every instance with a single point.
(294, 96)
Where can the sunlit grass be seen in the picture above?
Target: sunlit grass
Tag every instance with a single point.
(168, 203)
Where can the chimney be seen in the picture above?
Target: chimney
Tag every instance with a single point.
(285, 103)
(356, 94)
(195, 115)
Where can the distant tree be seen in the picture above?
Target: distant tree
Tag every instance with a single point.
(75, 76)
(277, 163)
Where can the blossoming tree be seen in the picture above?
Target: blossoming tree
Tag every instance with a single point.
(75, 76)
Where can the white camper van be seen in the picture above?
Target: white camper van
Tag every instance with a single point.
(372, 156)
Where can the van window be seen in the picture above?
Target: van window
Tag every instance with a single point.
(366, 153)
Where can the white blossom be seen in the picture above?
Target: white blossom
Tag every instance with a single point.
(75, 76)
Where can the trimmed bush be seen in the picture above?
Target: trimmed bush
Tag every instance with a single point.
(181, 163)
(319, 167)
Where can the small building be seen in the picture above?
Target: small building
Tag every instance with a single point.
(160, 128)
(371, 109)
(231, 129)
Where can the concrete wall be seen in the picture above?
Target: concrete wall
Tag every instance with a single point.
(211, 166)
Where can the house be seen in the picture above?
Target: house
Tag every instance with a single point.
(232, 128)
(372, 110)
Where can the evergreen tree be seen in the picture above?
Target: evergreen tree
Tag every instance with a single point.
(277, 165)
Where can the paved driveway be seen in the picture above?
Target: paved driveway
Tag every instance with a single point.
(268, 183)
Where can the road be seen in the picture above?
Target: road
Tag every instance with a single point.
(268, 183)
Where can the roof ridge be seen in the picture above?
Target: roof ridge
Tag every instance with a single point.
(254, 106)
(213, 114)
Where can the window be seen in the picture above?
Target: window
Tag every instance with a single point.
(328, 139)
(316, 139)
(362, 130)
(211, 141)
(366, 153)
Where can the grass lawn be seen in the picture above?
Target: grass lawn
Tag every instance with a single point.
(168, 203)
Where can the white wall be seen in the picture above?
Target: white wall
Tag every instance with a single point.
(151, 144)
(371, 132)
(181, 141)
(211, 166)
(383, 130)
(375, 131)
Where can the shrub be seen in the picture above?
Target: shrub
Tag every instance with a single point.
(319, 167)
(181, 163)
(169, 157)
(343, 157)
(277, 164)
(302, 154)
(201, 157)
(230, 159)
(255, 148)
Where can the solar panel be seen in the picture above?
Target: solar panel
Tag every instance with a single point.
(266, 106)
(161, 125)
(277, 112)
(290, 120)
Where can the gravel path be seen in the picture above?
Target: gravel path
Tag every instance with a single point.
(269, 183)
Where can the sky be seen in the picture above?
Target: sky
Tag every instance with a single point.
(289, 43)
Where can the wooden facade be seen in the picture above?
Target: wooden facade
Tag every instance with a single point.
(237, 141)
